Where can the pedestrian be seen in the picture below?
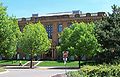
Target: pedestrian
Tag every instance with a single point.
(65, 55)
(20, 63)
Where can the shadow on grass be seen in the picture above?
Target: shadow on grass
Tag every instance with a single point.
(3, 61)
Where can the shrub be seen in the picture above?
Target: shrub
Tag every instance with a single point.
(97, 71)
(2, 69)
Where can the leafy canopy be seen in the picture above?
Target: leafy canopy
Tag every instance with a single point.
(9, 33)
(34, 39)
(108, 30)
(80, 39)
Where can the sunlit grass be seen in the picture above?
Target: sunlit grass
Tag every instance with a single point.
(11, 62)
(59, 63)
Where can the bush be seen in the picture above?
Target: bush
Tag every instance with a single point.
(116, 61)
(97, 71)
(107, 57)
(2, 69)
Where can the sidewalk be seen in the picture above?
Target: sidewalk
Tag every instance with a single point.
(54, 71)
(24, 66)
(57, 67)
(40, 67)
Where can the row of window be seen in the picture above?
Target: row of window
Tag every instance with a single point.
(59, 27)
(49, 29)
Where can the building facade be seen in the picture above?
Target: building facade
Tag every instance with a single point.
(54, 24)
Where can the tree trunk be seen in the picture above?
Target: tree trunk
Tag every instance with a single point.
(79, 61)
(31, 60)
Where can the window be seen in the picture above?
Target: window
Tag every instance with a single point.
(60, 28)
(21, 28)
(59, 41)
(49, 29)
(36, 19)
(70, 25)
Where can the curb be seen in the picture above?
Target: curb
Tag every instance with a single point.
(4, 72)
(19, 67)
(58, 67)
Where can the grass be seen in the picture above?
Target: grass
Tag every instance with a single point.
(11, 62)
(59, 63)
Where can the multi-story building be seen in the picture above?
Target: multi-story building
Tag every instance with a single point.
(56, 22)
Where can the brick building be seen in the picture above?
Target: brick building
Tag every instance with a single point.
(56, 22)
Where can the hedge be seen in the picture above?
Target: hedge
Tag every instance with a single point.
(97, 71)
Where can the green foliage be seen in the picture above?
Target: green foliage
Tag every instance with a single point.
(108, 30)
(108, 35)
(2, 69)
(116, 61)
(9, 33)
(80, 39)
(97, 71)
(34, 39)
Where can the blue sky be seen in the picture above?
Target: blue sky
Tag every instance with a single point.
(25, 8)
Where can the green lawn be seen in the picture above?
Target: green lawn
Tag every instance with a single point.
(59, 63)
(11, 62)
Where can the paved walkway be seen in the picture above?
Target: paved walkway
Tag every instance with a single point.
(35, 63)
(33, 72)
(25, 66)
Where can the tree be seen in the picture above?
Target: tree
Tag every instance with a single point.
(108, 31)
(34, 40)
(9, 34)
(81, 38)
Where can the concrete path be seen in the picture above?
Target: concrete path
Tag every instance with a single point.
(25, 66)
(33, 72)
(35, 63)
